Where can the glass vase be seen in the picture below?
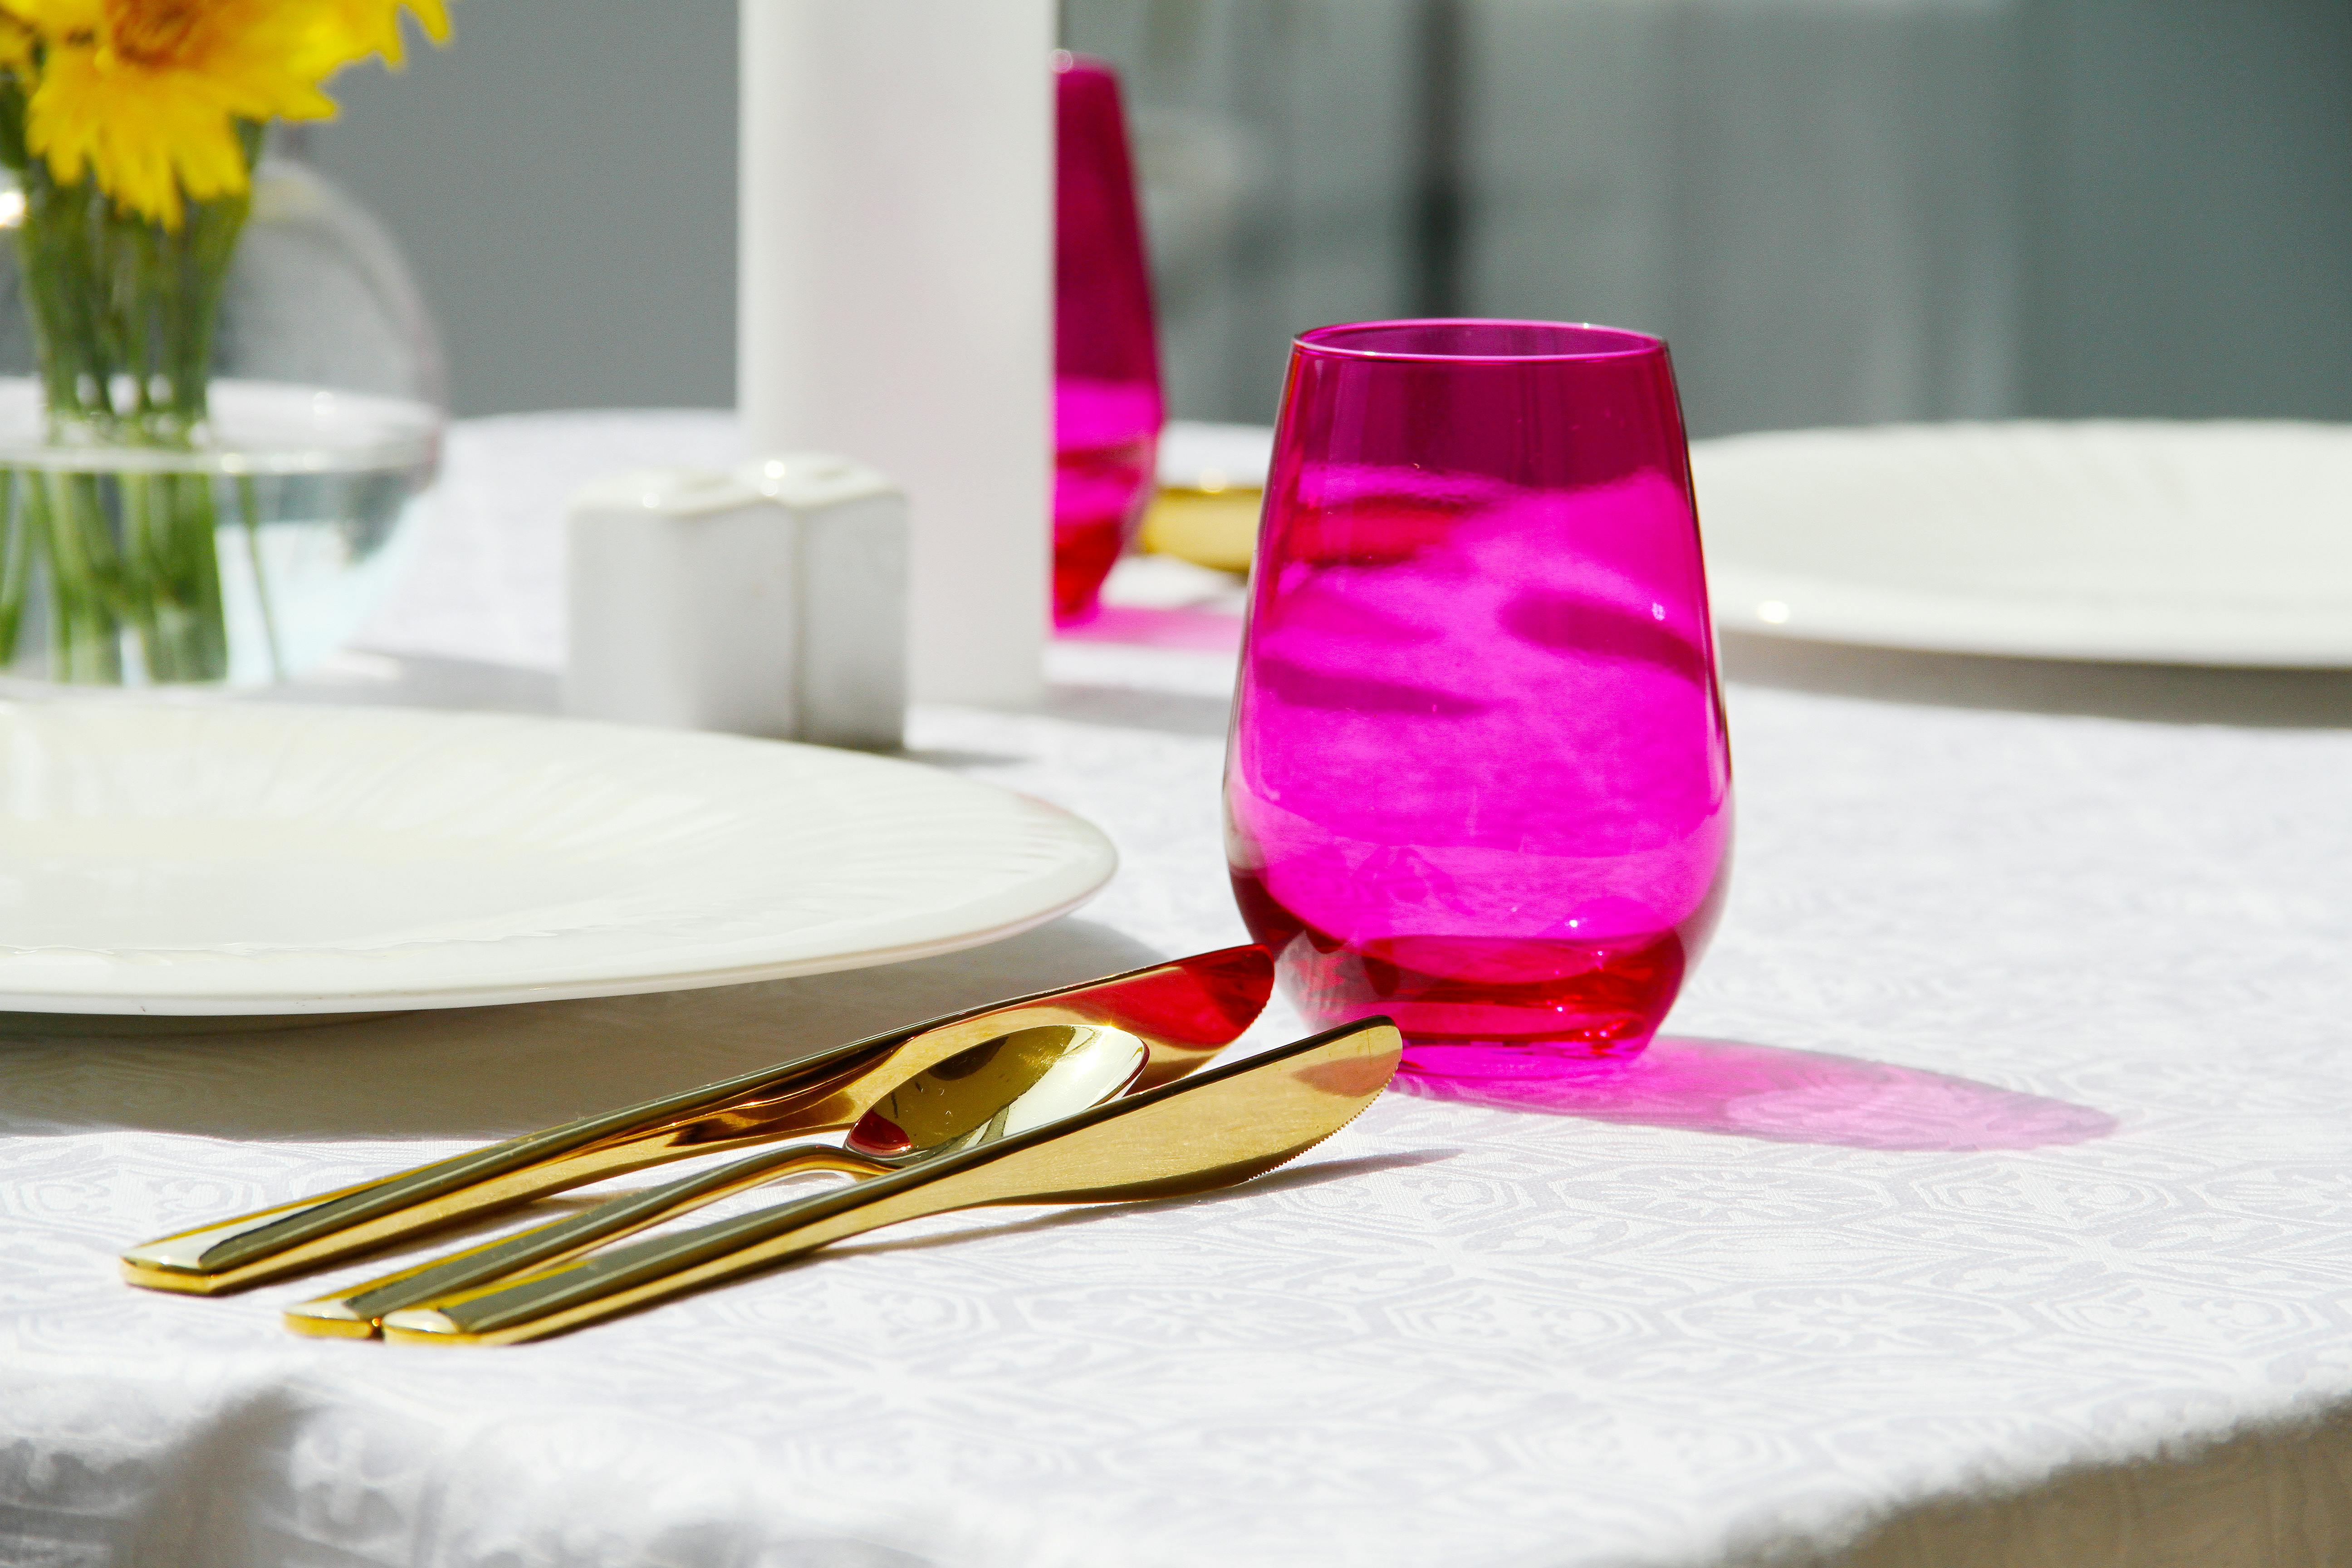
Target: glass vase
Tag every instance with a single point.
(209, 474)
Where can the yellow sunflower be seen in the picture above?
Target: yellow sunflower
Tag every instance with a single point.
(366, 27)
(144, 95)
(16, 41)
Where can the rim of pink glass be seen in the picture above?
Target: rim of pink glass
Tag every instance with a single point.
(1477, 339)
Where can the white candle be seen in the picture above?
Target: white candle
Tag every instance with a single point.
(896, 295)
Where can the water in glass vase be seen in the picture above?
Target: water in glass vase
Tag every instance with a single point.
(246, 555)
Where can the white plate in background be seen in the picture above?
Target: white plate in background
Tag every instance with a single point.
(206, 859)
(2227, 543)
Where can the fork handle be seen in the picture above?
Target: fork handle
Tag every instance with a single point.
(354, 1311)
(568, 1295)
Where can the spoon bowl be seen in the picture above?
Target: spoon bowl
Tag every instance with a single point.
(998, 1088)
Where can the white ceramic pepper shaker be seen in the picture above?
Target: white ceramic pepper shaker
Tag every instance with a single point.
(770, 601)
(853, 568)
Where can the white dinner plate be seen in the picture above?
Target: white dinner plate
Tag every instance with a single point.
(210, 859)
(2223, 543)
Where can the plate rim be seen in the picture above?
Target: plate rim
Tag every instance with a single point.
(1796, 607)
(1813, 607)
(1096, 860)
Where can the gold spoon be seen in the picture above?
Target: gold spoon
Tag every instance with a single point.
(1186, 1009)
(992, 1091)
(1217, 1128)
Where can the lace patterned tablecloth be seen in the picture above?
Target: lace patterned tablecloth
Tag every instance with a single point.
(1990, 1202)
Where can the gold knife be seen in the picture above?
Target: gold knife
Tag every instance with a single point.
(1184, 1010)
(1220, 1127)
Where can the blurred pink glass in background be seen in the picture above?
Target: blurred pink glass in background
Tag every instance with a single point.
(1106, 405)
(1478, 777)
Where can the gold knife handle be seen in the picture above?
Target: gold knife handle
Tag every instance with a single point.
(353, 1311)
(230, 1255)
(1222, 1126)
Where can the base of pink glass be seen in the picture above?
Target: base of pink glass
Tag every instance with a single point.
(1479, 1007)
(1198, 631)
(1084, 550)
(1106, 447)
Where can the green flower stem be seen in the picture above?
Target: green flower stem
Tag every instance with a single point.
(136, 599)
(85, 642)
(200, 626)
(124, 312)
(15, 564)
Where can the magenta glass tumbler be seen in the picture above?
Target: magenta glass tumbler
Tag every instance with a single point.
(1106, 407)
(1478, 777)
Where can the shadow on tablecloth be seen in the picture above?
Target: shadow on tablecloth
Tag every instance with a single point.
(1127, 707)
(1312, 1171)
(1787, 1097)
(2270, 1498)
(491, 1072)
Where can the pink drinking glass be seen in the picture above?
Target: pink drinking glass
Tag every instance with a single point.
(1478, 777)
(1106, 407)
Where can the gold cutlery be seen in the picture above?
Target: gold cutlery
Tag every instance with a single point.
(1219, 1127)
(1183, 1011)
(989, 1092)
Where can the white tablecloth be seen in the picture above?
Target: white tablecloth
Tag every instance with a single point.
(1989, 1202)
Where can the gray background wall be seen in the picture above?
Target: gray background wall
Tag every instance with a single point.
(563, 179)
(1839, 210)
(2194, 198)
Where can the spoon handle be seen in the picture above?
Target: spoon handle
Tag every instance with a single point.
(355, 1311)
(1219, 1127)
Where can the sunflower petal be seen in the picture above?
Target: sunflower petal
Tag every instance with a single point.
(142, 96)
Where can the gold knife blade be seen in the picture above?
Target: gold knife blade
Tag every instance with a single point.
(1215, 1128)
(1184, 1009)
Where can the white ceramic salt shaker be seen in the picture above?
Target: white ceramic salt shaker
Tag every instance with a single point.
(767, 602)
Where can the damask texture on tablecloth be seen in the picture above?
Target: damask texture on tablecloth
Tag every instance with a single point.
(1990, 1202)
